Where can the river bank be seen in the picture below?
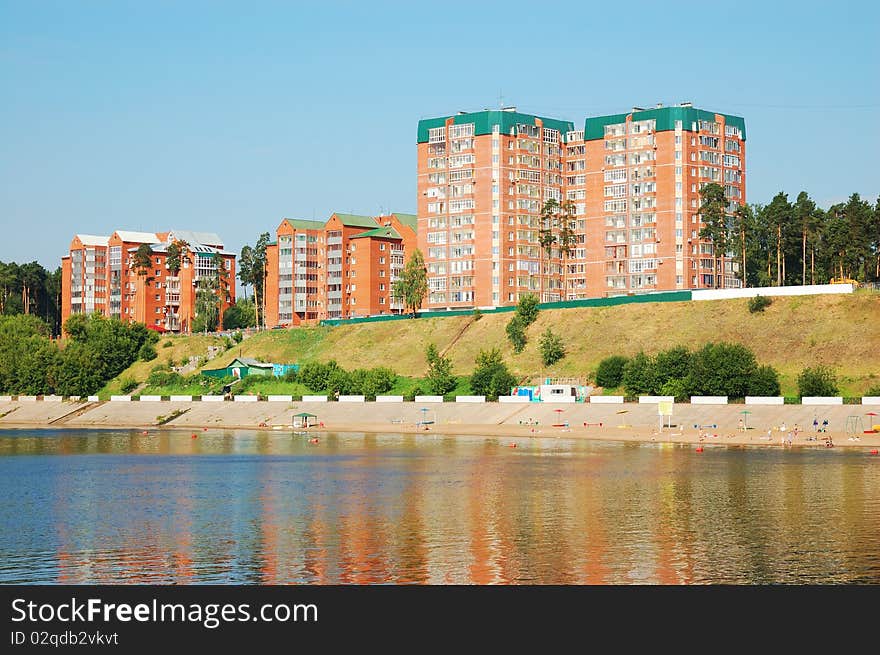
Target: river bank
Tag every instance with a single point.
(730, 425)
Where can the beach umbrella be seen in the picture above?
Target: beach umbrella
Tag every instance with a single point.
(622, 412)
(745, 414)
(872, 414)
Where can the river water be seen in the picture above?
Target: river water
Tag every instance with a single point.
(119, 506)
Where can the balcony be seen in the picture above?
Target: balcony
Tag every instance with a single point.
(334, 268)
(334, 241)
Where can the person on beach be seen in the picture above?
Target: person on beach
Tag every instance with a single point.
(815, 424)
(740, 425)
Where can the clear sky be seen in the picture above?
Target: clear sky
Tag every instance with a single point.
(228, 116)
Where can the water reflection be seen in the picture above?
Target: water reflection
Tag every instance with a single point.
(269, 507)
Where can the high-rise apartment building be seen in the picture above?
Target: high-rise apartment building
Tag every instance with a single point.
(101, 274)
(628, 187)
(340, 268)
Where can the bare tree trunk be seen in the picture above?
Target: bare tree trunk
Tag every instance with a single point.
(743, 233)
(779, 256)
(813, 265)
(804, 259)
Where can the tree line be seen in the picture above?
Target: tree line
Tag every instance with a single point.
(787, 243)
(32, 290)
(97, 350)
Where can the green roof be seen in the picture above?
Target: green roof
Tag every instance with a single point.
(355, 220)
(387, 232)
(484, 121)
(305, 224)
(410, 220)
(594, 128)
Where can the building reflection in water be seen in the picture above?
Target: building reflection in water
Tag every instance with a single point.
(270, 507)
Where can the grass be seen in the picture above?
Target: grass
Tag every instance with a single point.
(840, 331)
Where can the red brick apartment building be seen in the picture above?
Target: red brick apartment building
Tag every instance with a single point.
(99, 275)
(633, 180)
(340, 268)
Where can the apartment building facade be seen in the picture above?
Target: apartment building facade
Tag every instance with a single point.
(627, 186)
(110, 281)
(340, 268)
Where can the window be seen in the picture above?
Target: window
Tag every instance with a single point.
(618, 175)
(381, 246)
(381, 260)
(437, 134)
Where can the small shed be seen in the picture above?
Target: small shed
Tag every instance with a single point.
(241, 367)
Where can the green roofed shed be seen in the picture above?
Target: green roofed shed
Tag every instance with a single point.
(241, 367)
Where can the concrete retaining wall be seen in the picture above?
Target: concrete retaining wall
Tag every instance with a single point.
(822, 400)
(609, 400)
(708, 400)
(351, 399)
(314, 399)
(470, 399)
(765, 400)
(429, 399)
(808, 290)
(246, 399)
(389, 399)
(653, 400)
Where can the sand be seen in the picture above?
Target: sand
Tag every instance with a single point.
(707, 425)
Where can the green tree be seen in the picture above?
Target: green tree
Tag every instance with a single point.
(778, 219)
(240, 315)
(177, 250)
(516, 333)
(817, 381)
(721, 369)
(246, 267)
(412, 285)
(143, 259)
(713, 210)
(807, 217)
(551, 347)
(610, 372)
(439, 378)
(764, 382)
(547, 235)
(527, 309)
(672, 364)
(207, 308)
(491, 377)
(638, 375)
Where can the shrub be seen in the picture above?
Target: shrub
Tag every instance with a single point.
(676, 387)
(764, 382)
(164, 379)
(873, 391)
(439, 379)
(316, 375)
(477, 315)
(721, 369)
(759, 303)
(228, 343)
(638, 375)
(527, 309)
(817, 381)
(672, 364)
(128, 385)
(551, 347)
(516, 333)
(291, 375)
(167, 344)
(237, 336)
(610, 371)
(491, 377)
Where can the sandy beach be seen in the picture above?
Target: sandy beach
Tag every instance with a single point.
(707, 425)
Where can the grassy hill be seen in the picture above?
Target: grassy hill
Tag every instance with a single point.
(840, 331)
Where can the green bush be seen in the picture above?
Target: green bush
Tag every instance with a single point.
(676, 387)
(147, 353)
(167, 344)
(439, 379)
(764, 382)
(162, 378)
(128, 385)
(610, 372)
(237, 336)
(316, 375)
(672, 364)
(759, 303)
(527, 309)
(477, 315)
(291, 375)
(516, 333)
(721, 369)
(551, 347)
(638, 375)
(873, 391)
(491, 377)
(817, 381)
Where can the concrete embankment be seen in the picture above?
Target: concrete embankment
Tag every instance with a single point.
(641, 422)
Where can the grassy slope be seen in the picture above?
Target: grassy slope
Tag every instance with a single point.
(839, 331)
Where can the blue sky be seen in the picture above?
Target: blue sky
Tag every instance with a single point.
(229, 116)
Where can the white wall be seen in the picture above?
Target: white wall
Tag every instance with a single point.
(808, 290)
